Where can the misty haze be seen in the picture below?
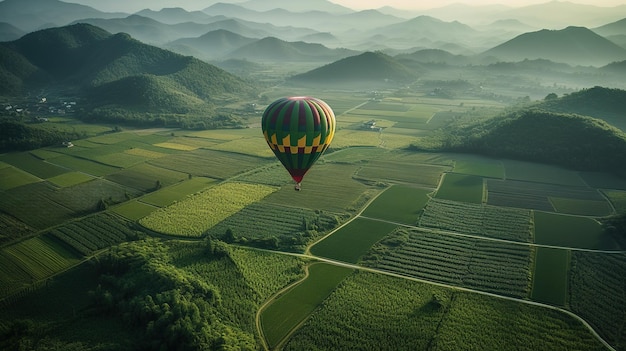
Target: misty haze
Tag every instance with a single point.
(308, 175)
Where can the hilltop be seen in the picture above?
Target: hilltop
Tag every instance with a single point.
(30, 15)
(599, 102)
(569, 140)
(96, 66)
(369, 67)
(276, 50)
(572, 45)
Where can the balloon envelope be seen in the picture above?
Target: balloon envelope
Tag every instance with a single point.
(298, 130)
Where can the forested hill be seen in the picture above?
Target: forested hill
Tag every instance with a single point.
(573, 141)
(81, 57)
(366, 67)
(604, 103)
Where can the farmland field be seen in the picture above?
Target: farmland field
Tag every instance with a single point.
(144, 177)
(32, 205)
(566, 231)
(418, 174)
(617, 198)
(390, 314)
(209, 163)
(538, 196)
(352, 241)
(196, 214)
(70, 179)
(84, 165)
(339, 195)
(11, 177)
(289, 309)
(134, 210)
(598, 293)
(32, 260)
(540, 173)
(166, 196)
(399, 203)
(11, 228)
(31, 164)
(550, 276)
(485, 220)
(461, 187)
(484, 265)
(292, 227)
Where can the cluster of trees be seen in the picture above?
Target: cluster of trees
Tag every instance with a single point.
(196, 121)
(18, 136)
(573, 141)
(170, 309)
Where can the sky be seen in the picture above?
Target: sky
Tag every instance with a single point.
(425, 4)
(136, 5)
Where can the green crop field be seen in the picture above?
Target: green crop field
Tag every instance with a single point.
(291, 227)
(92, 233)
(355, 154)
(567, 231)
(352, 241)
(209, 163)
(294, 306)
(32, 204)
(534, 172)
(550, 276)
(84, 165)
(582, 207)
(617, 198)
(399, 203)
(418, 174)
(11, 177)
(384, 313)
(166, 196)
(498, 267)
(134, 210)
(479, 166)
(32, 260)
(490, 221)
(31, 164)
(144, 177)
(196, 214)
(70, 179)
(461, 187)
(598, 293)
(320, 193)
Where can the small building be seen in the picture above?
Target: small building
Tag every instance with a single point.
(68, 144)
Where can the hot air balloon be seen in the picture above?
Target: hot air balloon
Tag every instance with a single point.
(298, 130)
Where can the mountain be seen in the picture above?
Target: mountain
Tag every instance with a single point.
(369, 67)
(147, 29)
(435, 56)
(559, 14)
(174, 15)
(214, 45)
(276, 50)
(423, 31)
(9, 32)
(296, 6)
(107, 69)
(598, 102)
(472, 14)
(615, 32)
(30, 15)
(572, 45)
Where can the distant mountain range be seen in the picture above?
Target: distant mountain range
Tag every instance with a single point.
(572, 45)
(112, 69)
